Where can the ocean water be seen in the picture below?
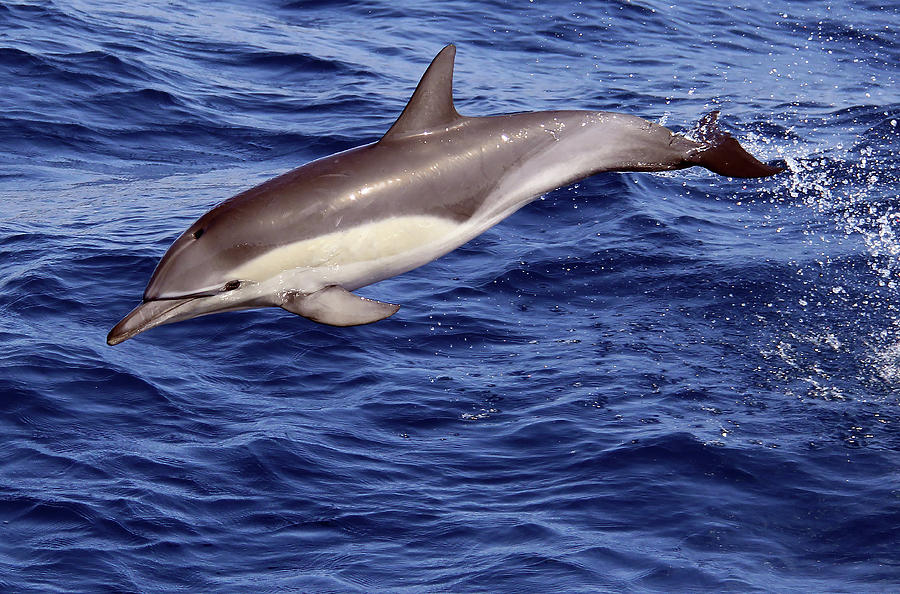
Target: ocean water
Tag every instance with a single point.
(669, 382)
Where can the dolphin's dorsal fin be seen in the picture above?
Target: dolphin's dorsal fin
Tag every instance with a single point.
(431, 105)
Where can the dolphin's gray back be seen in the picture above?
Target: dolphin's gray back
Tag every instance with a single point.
(477, 167)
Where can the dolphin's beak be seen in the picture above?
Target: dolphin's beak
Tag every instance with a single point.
(145, 316)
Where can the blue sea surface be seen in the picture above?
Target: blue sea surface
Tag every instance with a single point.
(666, 382)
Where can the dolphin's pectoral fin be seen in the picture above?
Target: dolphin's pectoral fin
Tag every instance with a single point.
(336, 306)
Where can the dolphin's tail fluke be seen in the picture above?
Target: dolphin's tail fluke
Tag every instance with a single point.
(721, 153)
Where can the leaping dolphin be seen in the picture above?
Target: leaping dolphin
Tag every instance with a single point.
(304, 240)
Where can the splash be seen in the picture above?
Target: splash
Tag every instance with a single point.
(851, 185)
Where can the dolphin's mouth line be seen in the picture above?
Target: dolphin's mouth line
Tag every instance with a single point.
(209, 293)
(229, 286)
(165, 310)
(181, 300)
(149, 314)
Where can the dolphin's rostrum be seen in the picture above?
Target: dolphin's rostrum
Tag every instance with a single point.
(304, 240)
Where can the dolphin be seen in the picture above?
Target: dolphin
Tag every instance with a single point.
(305, 240)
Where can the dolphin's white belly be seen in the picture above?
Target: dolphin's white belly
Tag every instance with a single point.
(355, 256)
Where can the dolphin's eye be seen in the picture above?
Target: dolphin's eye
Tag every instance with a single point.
(231, 285)
(198, 233)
